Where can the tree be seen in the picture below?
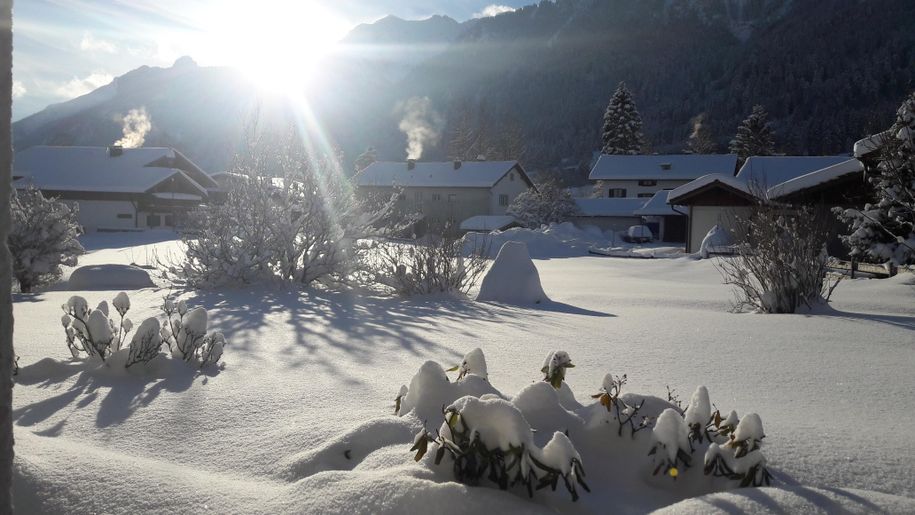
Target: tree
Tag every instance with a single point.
(622, 131)
(886, 230)
(548, 204)
(365, 159)
(43, 237)
(754, 136)
(700, 140)
(7, 359)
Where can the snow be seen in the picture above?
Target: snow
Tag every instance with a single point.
(109, 277)
(749, 428)
(671, 432)
(559, 453)
(92, 169)
(682, 166)
(624, 207)
(677, 194)
(657, 206)
(178, 196)
(488, 223)
(311, 375)
(718, 240)
(830, 173)
(763, 172)
(512, 278)
(639, 232)
(699, 410)
(474, 362)
(121, 303)
(427, 174)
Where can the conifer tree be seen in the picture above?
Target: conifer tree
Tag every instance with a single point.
(754, 136)
(622, 131)
(700, 140)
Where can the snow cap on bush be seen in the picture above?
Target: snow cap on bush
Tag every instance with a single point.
(749, 428)
(699, 410)
(671, 432)
(121, 303)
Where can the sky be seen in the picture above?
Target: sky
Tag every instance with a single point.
(66, 48)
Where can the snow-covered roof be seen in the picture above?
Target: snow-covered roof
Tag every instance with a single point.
(488, 222)
(660, 167)
(815, 178)
(763, 172)
(94, 169)
(440, 174)
(609, 206)
(730, 181)
(177, 196)
(658, 206)
(869, 144)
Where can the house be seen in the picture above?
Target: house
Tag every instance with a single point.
(641, 176)
(117, 188)
(450, 191)
(616, 214)
(668, 223)
(715, 199)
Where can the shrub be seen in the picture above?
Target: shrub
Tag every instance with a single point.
(434, 265)
(547, 204)
(42, 238)
(185, 333)
(91, 331)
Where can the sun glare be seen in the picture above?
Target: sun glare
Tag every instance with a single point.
(277, 44)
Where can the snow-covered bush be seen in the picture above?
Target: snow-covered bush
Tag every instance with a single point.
(435, 265)
(91, 331)
(781, 261)
(42, 238)
(548, 203)
(185, 333)
(540, 436)
(885, 230)
(146, 343)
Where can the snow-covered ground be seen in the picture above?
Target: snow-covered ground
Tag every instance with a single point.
(309, 376)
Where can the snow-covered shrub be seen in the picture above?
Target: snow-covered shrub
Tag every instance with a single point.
(474, 362)
(91, 331)
(146, 343)
(554, 367)
(548, 203)
(781, 261)
(885, 229)
(540, 436)
(435, 265)
(42, 238)
(185, 333)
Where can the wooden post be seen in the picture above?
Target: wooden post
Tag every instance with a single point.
(6, 273)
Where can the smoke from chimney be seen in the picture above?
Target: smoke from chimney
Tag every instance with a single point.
(421, 124)
(135, 126)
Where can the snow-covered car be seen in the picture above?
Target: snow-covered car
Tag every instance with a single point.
(638, 234)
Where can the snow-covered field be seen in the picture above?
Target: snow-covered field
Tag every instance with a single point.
(309, 376)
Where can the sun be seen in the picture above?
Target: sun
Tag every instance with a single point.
(277, 44)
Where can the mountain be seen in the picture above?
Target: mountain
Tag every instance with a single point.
(828, 72)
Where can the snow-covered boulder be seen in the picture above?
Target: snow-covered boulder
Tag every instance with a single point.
(513, 278)
(110, 277)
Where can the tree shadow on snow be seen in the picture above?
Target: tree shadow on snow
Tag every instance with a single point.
(121, 390)
(901, 321)
(557, 307)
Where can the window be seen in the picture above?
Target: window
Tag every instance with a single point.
(648, 183)
(646, 195)
(452, 197)
(153, 220)
(125, 216)
(665, 166)
(617, 193)
(503, 200)
(437, 197)
(169, 221)
(511, 176)
(418, 196)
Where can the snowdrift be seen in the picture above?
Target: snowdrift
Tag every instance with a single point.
(513, 278)
(109, 277)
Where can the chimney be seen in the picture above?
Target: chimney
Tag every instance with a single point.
(115, 150)
(457, 164)
(411, 164)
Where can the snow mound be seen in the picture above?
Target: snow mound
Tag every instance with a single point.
(549, 241)
(513, 278)
(718, 239)
(110, 277)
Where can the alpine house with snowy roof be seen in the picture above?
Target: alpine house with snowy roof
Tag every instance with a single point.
(449, 191)
(117, 188)
(641, 176)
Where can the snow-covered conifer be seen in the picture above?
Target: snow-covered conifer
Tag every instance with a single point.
(548, 203)
(622, 129)
(754, 136)
(43, 237)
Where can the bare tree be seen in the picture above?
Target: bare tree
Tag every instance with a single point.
(6, 279)
(437, 265)
(781, 262)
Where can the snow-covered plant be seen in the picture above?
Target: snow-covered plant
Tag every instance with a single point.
(754, 136)
(490, 438)
(781, 262)
(621, 411)
(474, 362)
(548, 203)
(146, 343)
(749, 463)
(91, 331)
(671, 443)
(622, 129)
(185, 333)
(554, 367)
(43, 237)
(698, 415)
(435, 265)
(885, 230)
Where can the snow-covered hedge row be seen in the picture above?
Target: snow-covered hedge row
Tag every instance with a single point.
(95, 334)
(543, 435)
